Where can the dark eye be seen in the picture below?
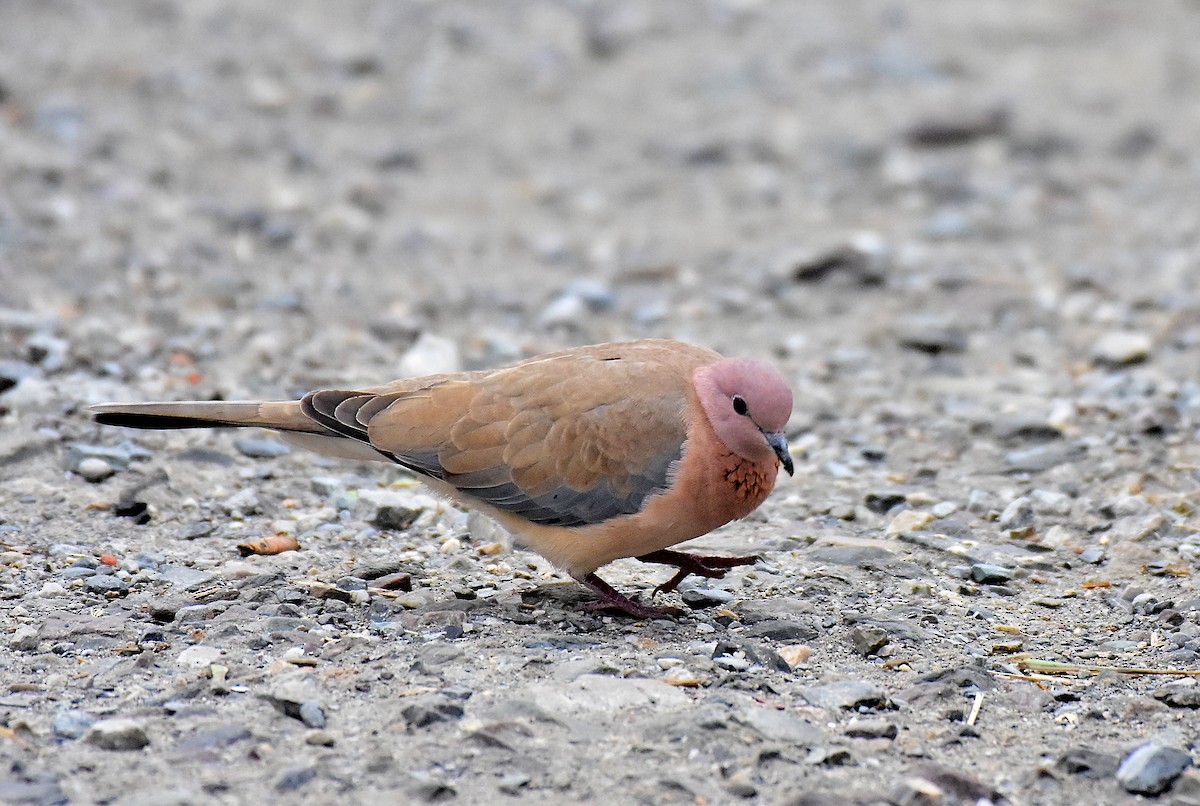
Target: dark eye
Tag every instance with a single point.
(739, 405)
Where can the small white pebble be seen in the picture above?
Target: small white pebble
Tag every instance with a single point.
(94, 469)
(944, 509)
(451, 545)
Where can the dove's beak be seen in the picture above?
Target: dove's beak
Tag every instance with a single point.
(778, 443)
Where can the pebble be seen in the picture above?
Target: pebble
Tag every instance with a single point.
(845, 694)
(95, 469)
(871, 729)
(295, 778)
(25, 639)
(780, 726)
(1042, 457)
(214, 737)
(261, 448)
(989, 574)
(118, 457)
(1121, 347)
(880, 501)
(117, 733)
(1048, 502)
(72, 724)
(697, 598)
(868, 640)
(105, 583)
(243, 502)
(1151, 768)
(512, 783)
(312, 714)
(944, 509)
(1018, 514)
(930, 335)
(909, 520)
(198, 656)
(429, 709)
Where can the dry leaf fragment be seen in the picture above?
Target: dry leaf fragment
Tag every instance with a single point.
(275, 544)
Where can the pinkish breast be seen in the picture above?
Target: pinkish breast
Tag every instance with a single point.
(748, 484)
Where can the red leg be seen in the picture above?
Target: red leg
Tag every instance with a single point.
(711, 567)
(612, 599)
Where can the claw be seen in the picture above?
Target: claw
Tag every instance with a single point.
(612, 599)
(688, 564)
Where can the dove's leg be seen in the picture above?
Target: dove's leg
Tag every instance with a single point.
(711, 567)
(612, 599)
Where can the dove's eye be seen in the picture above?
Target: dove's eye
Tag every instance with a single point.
(739, 405)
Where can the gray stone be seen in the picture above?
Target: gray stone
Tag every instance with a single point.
(989, 574)
(868, 640)
(26, 638)
(849, 555)
(1049, 502)
(1042, 457)
(780, 726)
(590, 693)
(261, 448)
(930, 335)
(780, 630)
(294, 778)
(1087, 762)
(105, 583)
(117, 734)
(312, 714)
(845, 694)
(1151, 768)
(243, 502)
(180, 576)
(1017, 515)
(326, 485)
(430, 709)
(214, 737)
(118, 457)
(71, 723)
(871, 729)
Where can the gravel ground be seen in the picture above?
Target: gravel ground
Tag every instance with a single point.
(967, 232)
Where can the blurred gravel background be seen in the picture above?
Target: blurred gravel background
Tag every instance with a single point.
(967, 232)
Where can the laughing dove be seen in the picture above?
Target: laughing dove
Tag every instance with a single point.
(586, 455)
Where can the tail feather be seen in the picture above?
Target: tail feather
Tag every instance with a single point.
(281, 416)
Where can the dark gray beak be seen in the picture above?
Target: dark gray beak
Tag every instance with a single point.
(778, 443)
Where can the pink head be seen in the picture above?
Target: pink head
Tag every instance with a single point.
(748, 403)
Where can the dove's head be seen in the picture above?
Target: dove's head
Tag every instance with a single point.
(748, 403)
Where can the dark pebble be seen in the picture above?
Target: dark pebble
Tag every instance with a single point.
(881, 501)
(431, 709)
(1087, 762)
(396, 519)
(987, 573)
(104, 583)
(868, 640)
(295, 778)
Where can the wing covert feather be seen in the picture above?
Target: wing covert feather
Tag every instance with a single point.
(569, 439)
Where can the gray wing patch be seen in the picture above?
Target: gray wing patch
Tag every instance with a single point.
(347, 414)
(564, 506)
